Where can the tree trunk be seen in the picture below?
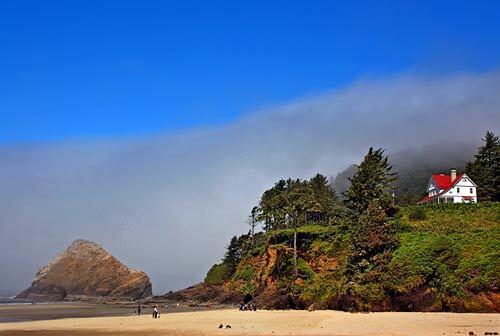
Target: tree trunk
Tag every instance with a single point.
(296, 271)
(253, 230)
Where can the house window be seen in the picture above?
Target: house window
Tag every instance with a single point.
(471, 190)
(458, 190)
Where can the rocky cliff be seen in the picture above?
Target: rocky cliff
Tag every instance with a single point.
(86, 270)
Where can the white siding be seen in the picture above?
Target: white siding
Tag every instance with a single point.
(464, 187)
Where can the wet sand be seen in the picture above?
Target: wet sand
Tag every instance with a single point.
(49, 311)
(263, 323)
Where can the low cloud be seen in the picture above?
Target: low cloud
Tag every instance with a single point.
(167, 204)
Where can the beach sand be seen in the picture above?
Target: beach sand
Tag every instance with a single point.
(263, 323)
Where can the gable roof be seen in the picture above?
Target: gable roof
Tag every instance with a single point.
(443, 181)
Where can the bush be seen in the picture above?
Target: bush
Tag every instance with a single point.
(248, 289)
(217, 274)
(417, 213)
(304, 270)
(244, 273)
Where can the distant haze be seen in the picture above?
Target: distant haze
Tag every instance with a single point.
(167, 204)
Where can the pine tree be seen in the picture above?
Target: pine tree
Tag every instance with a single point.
(252, 221)
(271, 209)
(300, 200)
(485, 169)
(373, 236)
(370, 198)
(325, 200)
(373, 180)
(233, 254)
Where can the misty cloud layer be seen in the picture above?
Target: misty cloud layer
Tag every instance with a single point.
(167, 204)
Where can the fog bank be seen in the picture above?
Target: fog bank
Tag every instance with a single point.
(167, 204)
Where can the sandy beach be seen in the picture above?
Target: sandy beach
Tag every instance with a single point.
(263, 323)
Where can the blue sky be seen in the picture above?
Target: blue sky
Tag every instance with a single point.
(84, 69)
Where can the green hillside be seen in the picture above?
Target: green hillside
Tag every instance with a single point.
(445, 258)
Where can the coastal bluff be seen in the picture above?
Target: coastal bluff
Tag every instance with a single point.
(87, 271)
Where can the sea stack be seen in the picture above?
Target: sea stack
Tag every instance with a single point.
(86, 271)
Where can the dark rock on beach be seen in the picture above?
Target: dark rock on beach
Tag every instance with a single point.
(206, 294)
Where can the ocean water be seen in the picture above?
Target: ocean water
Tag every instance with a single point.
(13, 301)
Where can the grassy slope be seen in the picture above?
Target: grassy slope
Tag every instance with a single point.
(455, 249)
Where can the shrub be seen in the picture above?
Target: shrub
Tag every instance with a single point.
(244, 273)
(304, 270)
(217, 274)
(248, 289)
(417, 213)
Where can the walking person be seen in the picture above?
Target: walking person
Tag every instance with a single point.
(139, 307)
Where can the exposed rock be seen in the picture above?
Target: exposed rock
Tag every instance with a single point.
(421, 299)
(86, 270)
(203, 293)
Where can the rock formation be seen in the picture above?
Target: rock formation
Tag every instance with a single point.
(203, 293)
(85, 270)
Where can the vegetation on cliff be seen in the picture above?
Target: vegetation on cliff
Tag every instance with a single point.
(364, 253)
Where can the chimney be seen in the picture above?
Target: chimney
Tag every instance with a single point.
(453, 174)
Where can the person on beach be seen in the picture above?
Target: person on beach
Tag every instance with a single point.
(139, 310)
(155, 312)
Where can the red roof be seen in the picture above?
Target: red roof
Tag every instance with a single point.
(443, 181)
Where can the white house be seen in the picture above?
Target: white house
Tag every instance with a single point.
(451, 188)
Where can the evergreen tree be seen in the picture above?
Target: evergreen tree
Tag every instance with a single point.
(271, 209)
(233, 254)
(300, 202)
(373, 180)
(252, 221)
(373, 237)
(304, 201)
(370, 198)
(485, 169)
(325, 199)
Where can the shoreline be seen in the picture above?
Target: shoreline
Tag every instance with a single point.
(262, 322)
(61, 310)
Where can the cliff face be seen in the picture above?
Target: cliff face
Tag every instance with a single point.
(84, 270)
(268, 280)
